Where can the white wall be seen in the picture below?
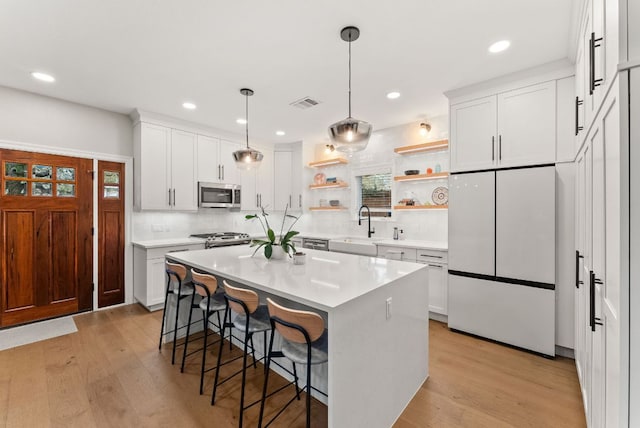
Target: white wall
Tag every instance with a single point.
(36, 119)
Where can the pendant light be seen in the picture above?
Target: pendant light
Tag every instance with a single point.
(350, 135)
(248, 158)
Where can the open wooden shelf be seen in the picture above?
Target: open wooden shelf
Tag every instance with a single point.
(328, 162)
(420, 207)
(424, 147)
(419, 177)
(339, 184)
(327, 208)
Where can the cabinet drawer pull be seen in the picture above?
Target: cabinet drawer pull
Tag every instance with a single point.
(429, 255)
(177, 251)
(435, 266)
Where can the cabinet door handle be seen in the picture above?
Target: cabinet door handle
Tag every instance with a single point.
(219, 172)
(169, 196)
(260, 199)
(493, 148)
(222, 172)
(578, 104)
(299, 201)
(499, 147)
(593, 44)
(174, 197)
(257, 203)
(578, 257)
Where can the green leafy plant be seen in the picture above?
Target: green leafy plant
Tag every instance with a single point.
(283, 240)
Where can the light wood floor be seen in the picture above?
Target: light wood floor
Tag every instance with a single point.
(110, 374)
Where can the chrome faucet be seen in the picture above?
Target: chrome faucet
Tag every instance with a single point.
(369, 230)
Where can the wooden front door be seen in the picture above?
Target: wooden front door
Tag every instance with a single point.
(46, 252)
(110, 233)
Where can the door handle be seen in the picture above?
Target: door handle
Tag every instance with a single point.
(499, 147)
(593, 320)
(579, 102)
(257, 203)
(169, 196)
(219, 173)
(290, 203)
(578, 257)
(299, 201)
(493, 148)
(174, 197)
(593, 44)
(222, 172)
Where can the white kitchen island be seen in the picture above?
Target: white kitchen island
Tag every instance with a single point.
(376, 313)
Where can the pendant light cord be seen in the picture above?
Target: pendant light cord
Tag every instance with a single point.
(246, 117)
(349, 74)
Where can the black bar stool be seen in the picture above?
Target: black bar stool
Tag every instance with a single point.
(178, 286)
(211, 303)
(304, 341)
(251, 318)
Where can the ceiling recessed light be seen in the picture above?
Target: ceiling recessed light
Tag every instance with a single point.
(241, 121)
(189, 106)
(499, 46)
(43, 76)
(393, 95)
(280, 133)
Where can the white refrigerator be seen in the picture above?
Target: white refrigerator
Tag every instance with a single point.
(502, 256)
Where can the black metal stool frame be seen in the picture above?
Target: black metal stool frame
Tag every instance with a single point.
(278, 354)
(248, 338)
(179, 297)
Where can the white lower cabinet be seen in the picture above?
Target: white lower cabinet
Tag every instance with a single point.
(436, 261)
(150, 279)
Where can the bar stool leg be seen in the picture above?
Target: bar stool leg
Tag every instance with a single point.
(266, 380)
(204, 350)
(247, 338)
(164, 314)
(217, 376)
(308, 386)
(186, 340)
(175, 328)
(295, 378)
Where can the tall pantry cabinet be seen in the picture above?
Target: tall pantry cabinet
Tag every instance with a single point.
(606, 348)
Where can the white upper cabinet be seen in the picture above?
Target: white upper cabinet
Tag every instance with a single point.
(215, 160)
(184, 193)
(512, 128)
(283, 188)
(473, 133)
(527, 126)
(164, 168)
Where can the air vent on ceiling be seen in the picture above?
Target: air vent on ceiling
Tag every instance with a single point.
(305, 103)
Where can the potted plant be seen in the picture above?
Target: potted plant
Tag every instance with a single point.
(274, 245)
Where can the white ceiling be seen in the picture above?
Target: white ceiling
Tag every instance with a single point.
(156, 54)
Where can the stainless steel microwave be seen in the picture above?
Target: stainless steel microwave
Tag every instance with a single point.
(218, 195)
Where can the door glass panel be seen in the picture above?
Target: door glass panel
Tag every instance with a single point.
(41, 189)
(15, 169)
(111, 192)
(111, 177)
(66, 174)
(42, 172)
(15, 188)
(65, 190)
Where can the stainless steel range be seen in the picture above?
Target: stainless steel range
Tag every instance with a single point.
(223, 239)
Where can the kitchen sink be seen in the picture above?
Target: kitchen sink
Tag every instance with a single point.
(355, 245)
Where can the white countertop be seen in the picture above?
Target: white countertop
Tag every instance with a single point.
(325, 281)
(168, 242)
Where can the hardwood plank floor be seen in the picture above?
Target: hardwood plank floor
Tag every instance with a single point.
(110, 374)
